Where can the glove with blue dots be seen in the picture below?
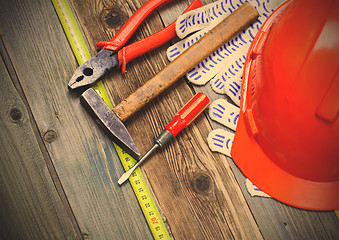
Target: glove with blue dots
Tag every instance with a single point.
(223, 68)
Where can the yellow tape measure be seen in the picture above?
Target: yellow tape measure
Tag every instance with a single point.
(137, 179)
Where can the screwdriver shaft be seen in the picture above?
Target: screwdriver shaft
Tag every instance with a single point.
(127, 174)
(180, 121)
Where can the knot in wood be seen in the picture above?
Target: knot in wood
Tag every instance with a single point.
(50, 136)
(202, 183)
(15, 114)
(112, 17)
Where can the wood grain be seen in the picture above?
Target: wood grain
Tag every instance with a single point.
(84, 158)
(173, 190)
(30, 207)
(275, 219)
(197, 192)
(176, 69)
(201, 194)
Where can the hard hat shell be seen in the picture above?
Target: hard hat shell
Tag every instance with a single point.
(287, 137)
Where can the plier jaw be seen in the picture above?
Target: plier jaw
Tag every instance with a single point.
(113, 54)
(93, 69)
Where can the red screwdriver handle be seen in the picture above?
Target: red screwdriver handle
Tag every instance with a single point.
(188, 113)
(132, 24)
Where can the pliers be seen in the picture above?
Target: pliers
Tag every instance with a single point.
(113, 54)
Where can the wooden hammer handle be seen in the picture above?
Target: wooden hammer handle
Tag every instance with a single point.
(200, 50)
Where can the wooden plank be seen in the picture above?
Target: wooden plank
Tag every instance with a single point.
(30, 205)
(84, 158)
(196, 190)
(275, 220)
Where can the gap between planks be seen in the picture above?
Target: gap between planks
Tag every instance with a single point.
(55, 178)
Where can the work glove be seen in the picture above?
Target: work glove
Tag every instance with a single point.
(222, 69)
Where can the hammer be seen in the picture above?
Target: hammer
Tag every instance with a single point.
(111, 121)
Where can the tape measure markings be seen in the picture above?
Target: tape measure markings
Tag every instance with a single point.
(137, 180)
(144, 197)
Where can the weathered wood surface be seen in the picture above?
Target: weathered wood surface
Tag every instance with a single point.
(275, 220)
(82, 155)
(201, 194)
(186, 172)
(30, 207)
(197, 192)
(175, 70)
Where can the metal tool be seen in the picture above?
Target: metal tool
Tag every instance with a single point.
(137, 180)
(109, 57)
(180, 121)
(116, 130)
(214, 39)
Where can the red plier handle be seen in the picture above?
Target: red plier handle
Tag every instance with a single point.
(132, 24)
(145, 45)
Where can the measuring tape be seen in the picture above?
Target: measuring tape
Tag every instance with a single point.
(137, 180)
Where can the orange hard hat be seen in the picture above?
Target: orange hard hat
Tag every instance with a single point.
(287, 137)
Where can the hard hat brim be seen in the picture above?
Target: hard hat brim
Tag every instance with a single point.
(276, 182)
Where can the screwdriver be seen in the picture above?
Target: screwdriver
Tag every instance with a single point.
(180, 121)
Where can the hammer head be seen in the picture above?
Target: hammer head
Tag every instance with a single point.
(96, 106)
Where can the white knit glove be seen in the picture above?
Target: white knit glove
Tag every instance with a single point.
(224, 67)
